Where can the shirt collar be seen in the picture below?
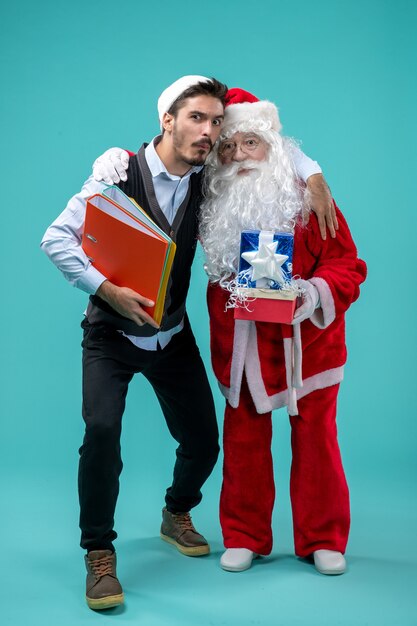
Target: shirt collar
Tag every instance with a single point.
(157, 167)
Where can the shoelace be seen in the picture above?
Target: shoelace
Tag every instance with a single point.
(101, 567)
(184, 521)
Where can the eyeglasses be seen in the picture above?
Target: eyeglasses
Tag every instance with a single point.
(248, 144)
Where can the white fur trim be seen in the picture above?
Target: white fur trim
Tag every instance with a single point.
(328, 378)
(246, 358)
(326, 313)
(263, 115)
(240, 344)
(298, 357)
(254, 373)
(289, 368)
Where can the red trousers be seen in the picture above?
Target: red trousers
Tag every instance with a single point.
(318, 488)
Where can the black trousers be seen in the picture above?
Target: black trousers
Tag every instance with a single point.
(179, 380)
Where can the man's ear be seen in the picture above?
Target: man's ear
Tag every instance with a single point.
(167, 122)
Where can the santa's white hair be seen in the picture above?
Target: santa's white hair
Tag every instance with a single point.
(269, 197)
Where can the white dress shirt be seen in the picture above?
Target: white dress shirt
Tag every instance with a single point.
(170, 191)
(62, 240)
(303, 165)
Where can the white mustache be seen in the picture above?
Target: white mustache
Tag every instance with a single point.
(229, 171)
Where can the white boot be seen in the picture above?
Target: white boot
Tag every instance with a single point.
(329, 562)
(237, 559)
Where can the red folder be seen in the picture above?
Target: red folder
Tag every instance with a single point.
(126, 251)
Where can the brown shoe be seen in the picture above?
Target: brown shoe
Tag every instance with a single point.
(103, 589)
(178, 529)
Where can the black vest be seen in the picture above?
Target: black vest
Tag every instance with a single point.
(183, 231)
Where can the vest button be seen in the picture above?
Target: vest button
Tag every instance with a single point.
(171, 234)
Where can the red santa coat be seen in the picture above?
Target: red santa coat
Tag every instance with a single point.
(261, 349)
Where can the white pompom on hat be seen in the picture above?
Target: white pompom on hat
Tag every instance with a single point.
(243, 109)
(171, 93)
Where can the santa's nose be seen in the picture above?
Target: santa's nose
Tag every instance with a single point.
(239, 155)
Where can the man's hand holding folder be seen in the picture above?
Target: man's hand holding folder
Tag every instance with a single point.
(132, 252)
(127, 302)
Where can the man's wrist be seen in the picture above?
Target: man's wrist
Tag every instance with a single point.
(106, 290)
(316, 180)
(318, 188)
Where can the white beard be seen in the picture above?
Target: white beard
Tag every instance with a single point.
(267, 198)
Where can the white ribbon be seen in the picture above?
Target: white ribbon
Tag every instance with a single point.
(265, 237)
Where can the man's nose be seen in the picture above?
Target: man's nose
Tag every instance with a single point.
(207, 128)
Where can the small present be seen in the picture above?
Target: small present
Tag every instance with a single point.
(265, 259)
(264, 291)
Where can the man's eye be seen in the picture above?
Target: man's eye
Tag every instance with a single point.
(195, 116)
(217, 122)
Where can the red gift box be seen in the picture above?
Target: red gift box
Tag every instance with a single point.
(267, 305)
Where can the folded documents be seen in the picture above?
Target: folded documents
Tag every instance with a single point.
(127, 247)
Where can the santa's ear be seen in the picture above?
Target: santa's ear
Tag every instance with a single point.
(167, 121)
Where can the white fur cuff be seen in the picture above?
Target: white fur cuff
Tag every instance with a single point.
(326, 313)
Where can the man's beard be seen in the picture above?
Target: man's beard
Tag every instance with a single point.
(179, 142)
(266, 198)
(196, 161)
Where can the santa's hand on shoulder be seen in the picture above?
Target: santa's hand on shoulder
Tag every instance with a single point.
(111, 166)
(310, 301)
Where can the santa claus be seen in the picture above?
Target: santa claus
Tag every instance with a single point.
(251, 184)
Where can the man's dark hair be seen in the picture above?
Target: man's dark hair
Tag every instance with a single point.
(213, 88)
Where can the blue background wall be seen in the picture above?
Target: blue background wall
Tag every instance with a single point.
(82, 76)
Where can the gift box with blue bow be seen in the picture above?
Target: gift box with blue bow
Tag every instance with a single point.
(265, 259)
(264, 289)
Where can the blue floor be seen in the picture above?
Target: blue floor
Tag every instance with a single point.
(43, 582)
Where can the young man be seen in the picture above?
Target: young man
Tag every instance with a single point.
(251, 184)
(121, 339)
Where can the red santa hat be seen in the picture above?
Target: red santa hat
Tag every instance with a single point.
(244, 111)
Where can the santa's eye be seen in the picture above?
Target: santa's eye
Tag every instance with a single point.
(251, 143)
(227, 147)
